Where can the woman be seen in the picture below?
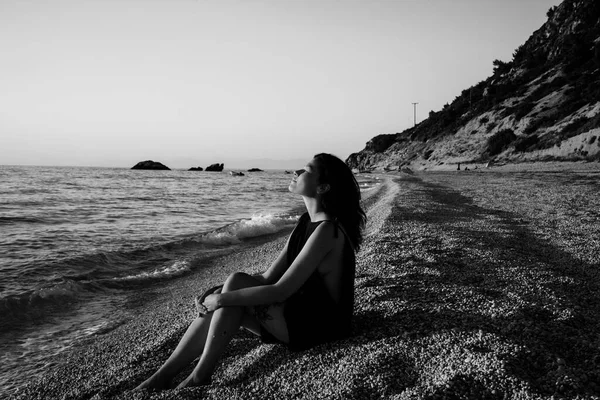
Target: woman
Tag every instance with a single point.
(305, 298)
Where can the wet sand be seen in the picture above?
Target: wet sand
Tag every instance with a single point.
(474, 284)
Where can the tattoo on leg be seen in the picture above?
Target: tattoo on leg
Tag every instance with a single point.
(262, 313)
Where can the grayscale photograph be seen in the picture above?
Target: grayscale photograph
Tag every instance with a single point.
(299, 199)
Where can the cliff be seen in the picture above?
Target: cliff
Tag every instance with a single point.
(544, 104)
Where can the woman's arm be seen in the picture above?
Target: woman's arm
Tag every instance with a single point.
(279, 266)
(320, 243)
(276, 269)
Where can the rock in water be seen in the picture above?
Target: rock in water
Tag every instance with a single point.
(215, 167)
(196, 169)
(149, 164)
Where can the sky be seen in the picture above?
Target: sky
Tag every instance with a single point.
(194, 82)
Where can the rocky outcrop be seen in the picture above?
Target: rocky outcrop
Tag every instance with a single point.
(196, 169)
(380, 143)
(149, 164)
(215, 167)
(255, 170)
(544, 104)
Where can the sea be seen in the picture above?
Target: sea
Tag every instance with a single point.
(75, 240)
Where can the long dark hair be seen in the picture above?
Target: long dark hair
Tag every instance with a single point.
(342, 200)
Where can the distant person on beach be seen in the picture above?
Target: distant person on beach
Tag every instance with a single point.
(305, 298)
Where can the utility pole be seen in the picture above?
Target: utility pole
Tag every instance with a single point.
(415, 107)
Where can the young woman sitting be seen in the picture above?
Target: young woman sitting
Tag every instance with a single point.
(305, 298)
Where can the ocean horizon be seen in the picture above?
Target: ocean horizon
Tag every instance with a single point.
(176, 164)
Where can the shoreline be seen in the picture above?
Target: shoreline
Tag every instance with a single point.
(461, 290)
(505, 166)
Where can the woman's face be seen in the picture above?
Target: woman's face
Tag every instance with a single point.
(305, 180)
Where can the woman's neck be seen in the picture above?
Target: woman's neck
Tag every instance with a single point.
(315, 209)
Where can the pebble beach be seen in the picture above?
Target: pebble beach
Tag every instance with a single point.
(470, 285)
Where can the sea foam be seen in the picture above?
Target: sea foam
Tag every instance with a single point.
(258, 225)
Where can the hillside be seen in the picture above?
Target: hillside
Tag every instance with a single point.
(542, 105)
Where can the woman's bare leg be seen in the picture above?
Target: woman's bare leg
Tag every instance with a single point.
(224, 324)
(189, 348)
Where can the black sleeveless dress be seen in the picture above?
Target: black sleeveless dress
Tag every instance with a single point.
(311, 315)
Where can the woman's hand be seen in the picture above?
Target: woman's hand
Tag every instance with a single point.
(211, 302)
(199, 300)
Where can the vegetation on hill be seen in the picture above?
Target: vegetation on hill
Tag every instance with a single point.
(542, 104)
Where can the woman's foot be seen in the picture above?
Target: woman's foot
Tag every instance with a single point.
(155, 383)
(191, 381)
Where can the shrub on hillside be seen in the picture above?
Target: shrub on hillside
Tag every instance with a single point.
(500, 141)
(522, 109)
(524, 142)
(575, 127)
(546, 141)
(541, 122)
(548, 87)
(581, 125)
(501, 67)
(381, 143)
(577, 51)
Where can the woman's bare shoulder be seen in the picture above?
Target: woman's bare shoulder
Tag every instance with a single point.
(329, 231)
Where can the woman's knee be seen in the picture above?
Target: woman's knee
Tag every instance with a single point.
(239, 280)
